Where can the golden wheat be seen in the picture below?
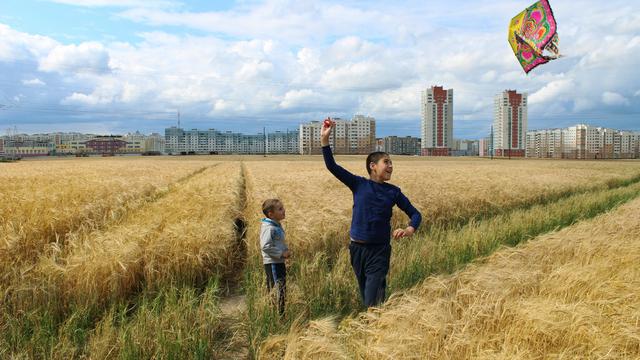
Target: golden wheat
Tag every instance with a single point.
(41, 201)
(183, 237)
(319, 206)
(570, 294)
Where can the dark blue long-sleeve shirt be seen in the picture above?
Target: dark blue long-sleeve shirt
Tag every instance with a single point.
(372, 204)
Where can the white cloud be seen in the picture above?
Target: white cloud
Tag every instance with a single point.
(280, 58)
(91, 57)
(254, 69)
(222, 107)
(489, 76)
(365, 76)
(84, 99)
(395, 103)
(296, 98)
(33, 82)
(555, 90)
(613, 98)
(19, 46)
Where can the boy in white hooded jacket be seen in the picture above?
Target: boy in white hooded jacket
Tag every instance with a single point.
(274, 249)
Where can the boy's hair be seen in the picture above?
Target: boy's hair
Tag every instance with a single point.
(374, 157)
(269, 205)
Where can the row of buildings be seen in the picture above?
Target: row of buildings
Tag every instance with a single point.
(180, 141)
(354, 136)
(583, 142)
(23, 145)
(509, 137)
(409, 145)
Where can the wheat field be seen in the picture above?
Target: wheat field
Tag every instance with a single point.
(131, 257)
(568, 294)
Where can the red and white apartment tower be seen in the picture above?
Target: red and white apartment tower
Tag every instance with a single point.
(437, 121)
(510, 124)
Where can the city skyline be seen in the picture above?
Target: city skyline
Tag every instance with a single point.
(119, 66)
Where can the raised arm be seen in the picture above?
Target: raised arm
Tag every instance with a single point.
(338, 171)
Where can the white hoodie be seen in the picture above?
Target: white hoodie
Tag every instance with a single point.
(272, 242)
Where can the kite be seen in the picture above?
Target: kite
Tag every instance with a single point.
(533, 36)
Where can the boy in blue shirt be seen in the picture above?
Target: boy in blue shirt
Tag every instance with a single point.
(274, 249)
(373, 201)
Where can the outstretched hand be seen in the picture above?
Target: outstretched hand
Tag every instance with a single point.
(400, 233)
(326, 131)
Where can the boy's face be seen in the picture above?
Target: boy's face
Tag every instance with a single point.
(277, 213)
(383, 168)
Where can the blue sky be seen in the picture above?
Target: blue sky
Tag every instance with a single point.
(125, 65)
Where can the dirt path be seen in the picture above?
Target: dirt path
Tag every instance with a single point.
(233, 304)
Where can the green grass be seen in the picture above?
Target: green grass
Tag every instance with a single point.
(177, 322)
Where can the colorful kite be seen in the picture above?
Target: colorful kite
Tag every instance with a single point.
(531, 33)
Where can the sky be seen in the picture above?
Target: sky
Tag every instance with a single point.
(115, 66)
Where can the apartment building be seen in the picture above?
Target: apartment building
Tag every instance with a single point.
(355, 136)
(583, 142)
(510, 124)
(436, 110)
(402, 145)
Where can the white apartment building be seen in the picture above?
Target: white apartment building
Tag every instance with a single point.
(547, 143)
(179, 141)
(154, 143)
(510, 124)
(583, 142)
(629, 144)
(283, 142)
(436, 111)
(355, 136)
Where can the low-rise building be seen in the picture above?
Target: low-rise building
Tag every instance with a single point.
(465, 147)
(154, 143)
(106, 145)
(402, 145)
(21, 147)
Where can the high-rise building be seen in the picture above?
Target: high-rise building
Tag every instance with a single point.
(510, 124)
(355, 136)
(437, 121)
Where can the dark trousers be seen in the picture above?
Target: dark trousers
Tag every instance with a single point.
(370, 263)
(277, 278)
